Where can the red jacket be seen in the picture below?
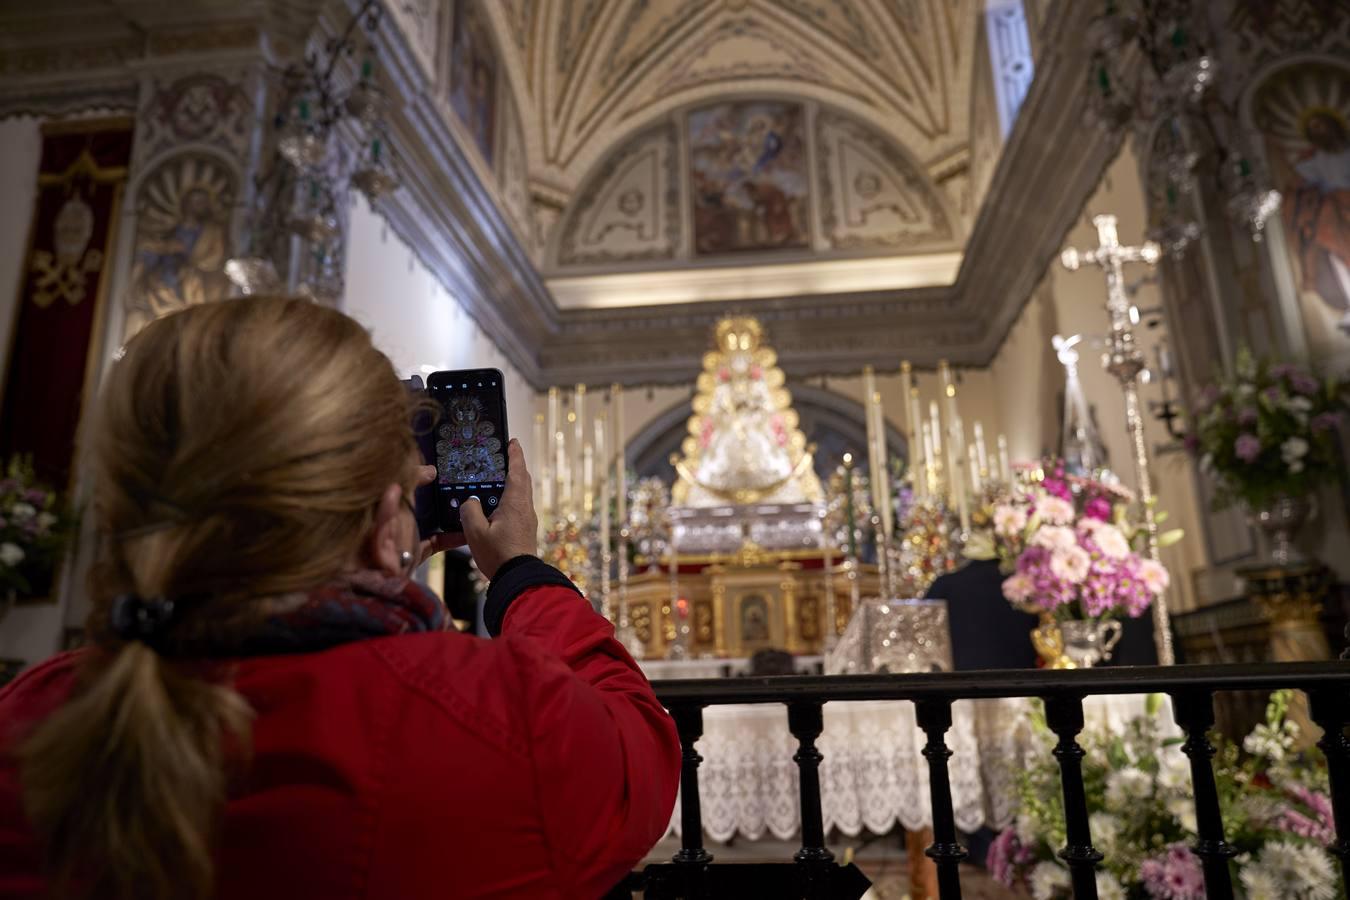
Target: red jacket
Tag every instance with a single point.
(537, 765)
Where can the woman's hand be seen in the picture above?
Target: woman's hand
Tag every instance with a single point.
(513, 529)
(437, 543)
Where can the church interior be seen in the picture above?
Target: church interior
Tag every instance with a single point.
(842, 337)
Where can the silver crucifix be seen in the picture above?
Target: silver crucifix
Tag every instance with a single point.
(1125, 361)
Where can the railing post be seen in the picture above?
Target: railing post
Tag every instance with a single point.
(935, 717)
(805, 721)
(1329, 711)
(1194, 712)
(691, 857)
(1064, 715)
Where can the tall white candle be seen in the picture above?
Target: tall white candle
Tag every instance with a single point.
(883, 468)
(906, 383)
(564, 477)
(918, 453)
(606, 489)
(620, 466)
(935, 423)
(587, 482)
(578, 419)
(550, 473)
(981, 454)
(976, 483)
(541, 466)
(1004, 466)
(930, 461)
(870, 419)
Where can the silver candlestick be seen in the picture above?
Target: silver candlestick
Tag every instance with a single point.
(1125, 361)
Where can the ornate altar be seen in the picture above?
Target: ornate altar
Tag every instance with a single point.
(738, 604)
(746, 566)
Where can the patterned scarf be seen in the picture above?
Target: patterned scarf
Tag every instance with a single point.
(355, 606)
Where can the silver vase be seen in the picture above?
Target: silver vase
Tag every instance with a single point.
(1280, 520)
(1090, 641)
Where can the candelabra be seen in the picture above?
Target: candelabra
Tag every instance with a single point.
(1173, 96)
(296, 199)
(1125, 360)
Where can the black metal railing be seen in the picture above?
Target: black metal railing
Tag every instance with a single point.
(814, 873)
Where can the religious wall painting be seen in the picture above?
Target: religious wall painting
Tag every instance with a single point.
(183, 212)
(704, 632)
(473, 76)
(754, 619)
(1303, 114)
(59, 314)
(748, 177)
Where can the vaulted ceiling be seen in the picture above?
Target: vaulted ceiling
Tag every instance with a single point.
(589, 73)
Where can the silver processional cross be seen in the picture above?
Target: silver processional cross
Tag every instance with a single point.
(1125, 361)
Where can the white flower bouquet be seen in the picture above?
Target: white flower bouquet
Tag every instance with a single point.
(1275, 807)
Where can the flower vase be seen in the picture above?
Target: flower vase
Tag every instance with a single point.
(1090, 641)
(1280, 519)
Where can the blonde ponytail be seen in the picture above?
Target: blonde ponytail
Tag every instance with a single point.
(125, 782)
(240, 450)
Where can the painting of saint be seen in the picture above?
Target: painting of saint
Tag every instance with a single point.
(182, 238)
(1304, 113)
(473, 75)
(754, 619)
(748, 177)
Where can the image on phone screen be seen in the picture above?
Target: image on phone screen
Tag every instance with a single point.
(470, 440)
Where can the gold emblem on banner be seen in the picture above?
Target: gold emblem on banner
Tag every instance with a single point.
(63, 274)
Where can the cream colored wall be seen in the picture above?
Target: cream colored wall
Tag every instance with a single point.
(20, 151)
(27, 632)
(415, 321)
(1027, 380)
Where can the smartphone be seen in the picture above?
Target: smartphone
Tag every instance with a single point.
(465, 438)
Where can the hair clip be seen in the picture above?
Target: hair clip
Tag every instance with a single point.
(134, 618)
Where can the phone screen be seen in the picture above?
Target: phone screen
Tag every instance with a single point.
(469, 441)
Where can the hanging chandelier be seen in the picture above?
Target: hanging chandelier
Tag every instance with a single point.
(295, 215)
(1172, 95)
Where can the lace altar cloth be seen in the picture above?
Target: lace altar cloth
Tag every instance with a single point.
(873, 774)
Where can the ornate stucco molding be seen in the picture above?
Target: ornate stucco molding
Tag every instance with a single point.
(455, 221)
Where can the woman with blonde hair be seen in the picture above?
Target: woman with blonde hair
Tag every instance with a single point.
(270, 706)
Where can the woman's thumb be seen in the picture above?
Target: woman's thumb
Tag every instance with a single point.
(472, 518)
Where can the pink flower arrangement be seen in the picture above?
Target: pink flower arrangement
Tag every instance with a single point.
(1067, 546)
(1175, 875)
(1269, 431)
(1006, 856)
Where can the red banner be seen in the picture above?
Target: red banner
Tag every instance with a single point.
(80, 183)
